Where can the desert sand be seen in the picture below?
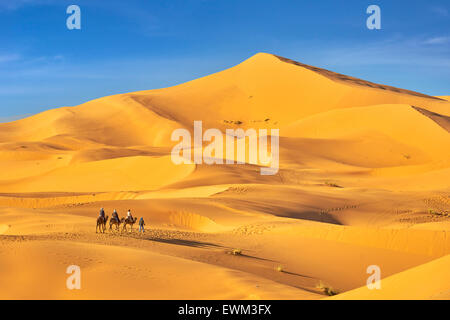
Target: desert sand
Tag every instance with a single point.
(363, 180)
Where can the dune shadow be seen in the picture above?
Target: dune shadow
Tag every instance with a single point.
(256, 258)
(348, 79)
(284, 211)
(308, 215)
(297, 274)
(442, 120)
(187, 243)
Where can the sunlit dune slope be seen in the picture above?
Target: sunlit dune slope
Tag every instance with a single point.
(378, 136)
(267, 87)
(116, 121)
(121, 174)
(159, 280)
(427, 281)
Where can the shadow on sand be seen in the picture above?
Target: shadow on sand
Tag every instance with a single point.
(188, 243)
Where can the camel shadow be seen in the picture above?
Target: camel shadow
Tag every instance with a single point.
(188, 243)
(256, 258)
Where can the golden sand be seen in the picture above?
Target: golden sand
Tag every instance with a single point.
(363, 180)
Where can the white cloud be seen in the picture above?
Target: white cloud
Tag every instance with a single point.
(437, 40)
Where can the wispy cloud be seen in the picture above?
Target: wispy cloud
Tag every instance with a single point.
(10, 5)
(4, 58)
(14, 4)
(395, 51)
(437, 40)
(441, 11)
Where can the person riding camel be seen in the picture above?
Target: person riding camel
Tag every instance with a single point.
(129, 216)
(115, 215)
(102, 213)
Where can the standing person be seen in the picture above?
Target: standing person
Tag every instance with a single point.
(141, 224)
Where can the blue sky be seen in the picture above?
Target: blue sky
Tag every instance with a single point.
(136, 45)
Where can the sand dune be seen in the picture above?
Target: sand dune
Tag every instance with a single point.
(120, 174)
(159, 280)
(428, 281)
(363, 180)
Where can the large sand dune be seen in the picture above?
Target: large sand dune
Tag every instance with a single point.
(363, 180)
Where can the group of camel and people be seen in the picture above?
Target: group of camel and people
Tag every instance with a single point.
(116, 221)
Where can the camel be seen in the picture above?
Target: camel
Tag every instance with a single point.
(101, 224)
(116, 222)
(127, 221)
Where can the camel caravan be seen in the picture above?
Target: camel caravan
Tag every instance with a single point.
(115, 221)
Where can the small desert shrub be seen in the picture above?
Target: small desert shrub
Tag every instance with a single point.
(279, 268)
(438, 213)
(236, 252)
(326, 289)
(332, 184)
